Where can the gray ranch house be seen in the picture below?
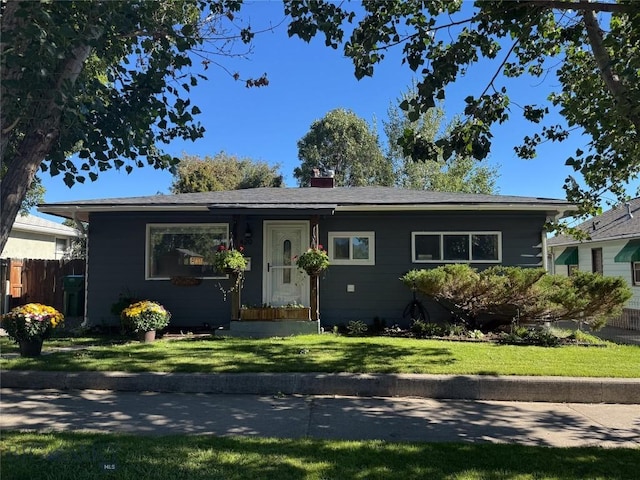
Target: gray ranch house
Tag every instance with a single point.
(148, 245)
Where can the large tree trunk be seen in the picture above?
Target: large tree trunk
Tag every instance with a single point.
(9, 22)
(21, 171)
(37, 142)
(603, 60)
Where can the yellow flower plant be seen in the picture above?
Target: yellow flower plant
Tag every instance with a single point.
(145, 316)
(31, 322)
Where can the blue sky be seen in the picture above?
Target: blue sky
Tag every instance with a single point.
(306, 82)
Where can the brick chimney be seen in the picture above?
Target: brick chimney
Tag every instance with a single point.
(325, 179)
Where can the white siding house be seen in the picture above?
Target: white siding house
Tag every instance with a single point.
(612, 250)
(38, 238)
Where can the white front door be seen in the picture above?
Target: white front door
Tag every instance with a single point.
(283, 283)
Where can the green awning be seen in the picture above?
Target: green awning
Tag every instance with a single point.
(629, 253)
(568, 257)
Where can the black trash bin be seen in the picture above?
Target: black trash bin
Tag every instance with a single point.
(73, 287)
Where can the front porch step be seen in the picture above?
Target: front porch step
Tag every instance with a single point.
(271, 328)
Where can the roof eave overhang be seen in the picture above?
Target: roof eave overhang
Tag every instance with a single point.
(629, 236)
(45, 230)
(274, 209)
(558, 211)
(81, 212)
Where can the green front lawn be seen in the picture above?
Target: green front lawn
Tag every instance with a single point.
(331, 353)
(100, 456)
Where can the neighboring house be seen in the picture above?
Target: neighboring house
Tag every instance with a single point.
(613, 249)
(373, 236)
(38, 238)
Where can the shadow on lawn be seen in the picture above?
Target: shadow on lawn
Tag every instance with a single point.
(211, 354)
(70, 456)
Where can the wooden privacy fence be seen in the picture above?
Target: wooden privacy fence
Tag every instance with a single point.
(40, 281)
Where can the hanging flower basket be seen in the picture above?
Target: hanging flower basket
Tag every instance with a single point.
(229, 260)
(314, 261)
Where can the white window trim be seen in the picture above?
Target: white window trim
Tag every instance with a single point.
(372, 248)
(147, 259)
(60, 253)
(414, 258)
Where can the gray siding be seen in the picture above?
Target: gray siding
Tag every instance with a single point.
(117, 263)
(378, 292)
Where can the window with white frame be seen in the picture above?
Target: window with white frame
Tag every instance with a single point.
(62, 244)
(635, 272)
(477, 247)
(596, 260)
(174, 250)
(352, 248)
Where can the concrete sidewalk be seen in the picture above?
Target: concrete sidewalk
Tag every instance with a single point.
(323, 417)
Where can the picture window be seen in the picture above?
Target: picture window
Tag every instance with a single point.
(183, 249)
(480, 247)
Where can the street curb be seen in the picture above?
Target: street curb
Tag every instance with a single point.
(455, 387)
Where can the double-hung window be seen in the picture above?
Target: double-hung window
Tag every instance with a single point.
(61, 247)
(635, 272)
(352, 248)
(183, 249)
(596, 260)
(477, 247)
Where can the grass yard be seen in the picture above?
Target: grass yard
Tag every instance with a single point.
(330, 353)
(88, 456)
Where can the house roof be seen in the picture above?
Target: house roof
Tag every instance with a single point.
(620, 222)
(328, 200)
(31, 223)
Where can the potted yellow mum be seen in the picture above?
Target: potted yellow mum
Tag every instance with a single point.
(29, 325)
(145, 318)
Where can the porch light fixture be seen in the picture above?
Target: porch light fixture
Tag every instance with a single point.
(248, 235)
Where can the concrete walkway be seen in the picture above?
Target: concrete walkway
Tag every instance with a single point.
(323, 417)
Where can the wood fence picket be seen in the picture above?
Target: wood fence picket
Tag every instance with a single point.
(41, 281)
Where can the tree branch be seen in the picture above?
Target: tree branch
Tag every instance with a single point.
(603, 61)
(583, 6)
(499, 69)
(388, 46)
